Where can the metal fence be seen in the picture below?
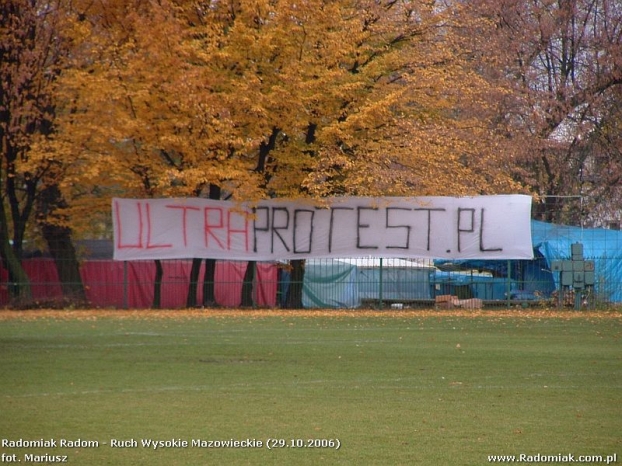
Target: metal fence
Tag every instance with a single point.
(572, 267)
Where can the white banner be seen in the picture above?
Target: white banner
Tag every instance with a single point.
(485, 227)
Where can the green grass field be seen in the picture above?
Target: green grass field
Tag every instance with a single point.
(336, 388)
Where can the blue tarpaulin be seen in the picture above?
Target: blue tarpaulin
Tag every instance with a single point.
(552, 242)
(467, 285)
(601, 245)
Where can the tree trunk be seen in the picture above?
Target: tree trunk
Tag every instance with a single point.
(19, 283)
(58, 239)
(157, 285)
(294, 292)
(191, 298)
(247, 286)
(209, 284)
(209, 293)
(62, 250)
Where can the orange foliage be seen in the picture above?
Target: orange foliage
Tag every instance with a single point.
(274, 98)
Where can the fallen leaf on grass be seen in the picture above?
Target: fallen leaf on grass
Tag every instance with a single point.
(184, 314)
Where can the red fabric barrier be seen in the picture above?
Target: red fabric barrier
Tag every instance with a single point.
(230, 278)
(43, 280)
(106, 285)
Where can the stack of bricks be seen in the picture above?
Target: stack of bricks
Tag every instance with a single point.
(447, 301)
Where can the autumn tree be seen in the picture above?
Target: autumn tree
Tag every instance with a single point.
(140, 117)
(275, 98)
(601, 173)
(33, 45)
(561, 62)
